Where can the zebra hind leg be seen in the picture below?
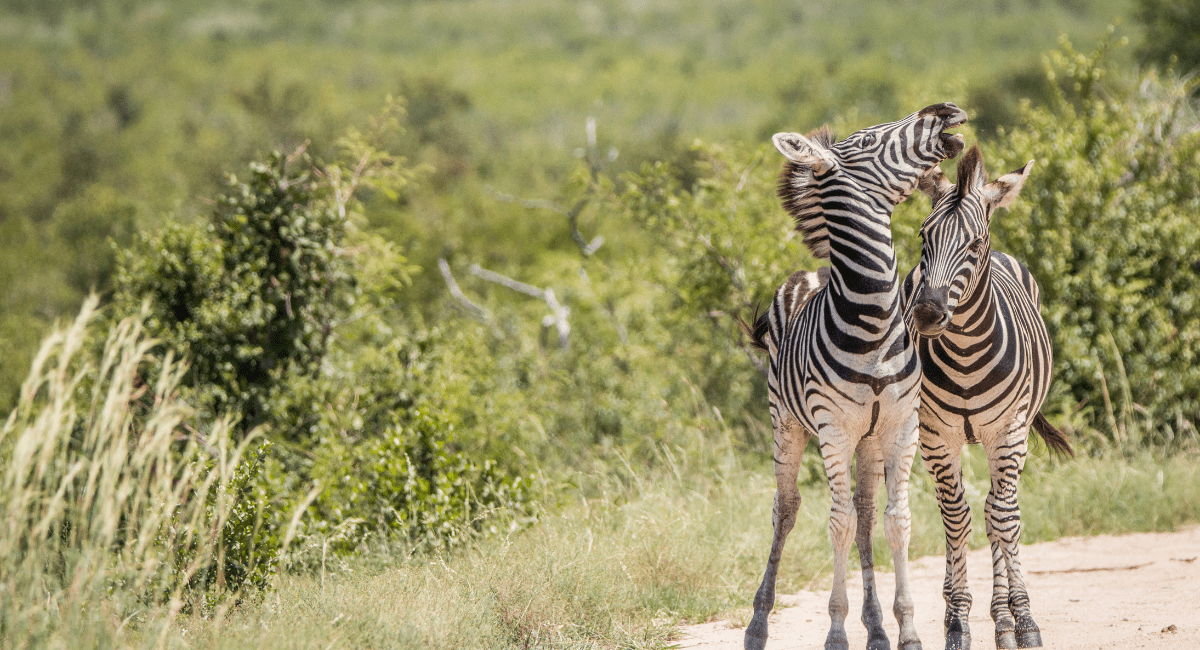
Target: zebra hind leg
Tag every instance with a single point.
(838, 453)
(869, 474)
(944, 463)
(790, 440)
(1015, 627)
(897, 524)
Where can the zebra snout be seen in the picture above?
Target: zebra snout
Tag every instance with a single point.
(932, 314)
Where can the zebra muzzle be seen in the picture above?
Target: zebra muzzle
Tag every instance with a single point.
(931, 313)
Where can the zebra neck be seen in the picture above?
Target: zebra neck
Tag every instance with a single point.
(863, 261)
(976, 311)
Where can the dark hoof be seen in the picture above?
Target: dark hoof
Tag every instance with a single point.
(837, 642)
(756, 637)
(1029, 638)
(911, 645)
(878, 641)
(1006, 640)
(958, 641)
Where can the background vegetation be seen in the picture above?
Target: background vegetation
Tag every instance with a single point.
(415, 324)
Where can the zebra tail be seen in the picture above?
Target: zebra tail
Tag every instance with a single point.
(759, 331)
(1054, 439)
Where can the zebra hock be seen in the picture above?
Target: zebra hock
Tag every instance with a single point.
(843, 366)
(986, 359)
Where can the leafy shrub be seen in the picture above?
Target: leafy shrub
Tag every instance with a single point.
(1106, 223)
(407, 483)
(253, 297)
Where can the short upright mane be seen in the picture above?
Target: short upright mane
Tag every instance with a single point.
(802, 200)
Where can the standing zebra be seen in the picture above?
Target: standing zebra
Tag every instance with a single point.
(843, 365)
(985, 356)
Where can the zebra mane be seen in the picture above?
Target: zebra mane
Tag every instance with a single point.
(802, 200)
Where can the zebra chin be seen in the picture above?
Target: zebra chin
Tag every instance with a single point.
(932, 331)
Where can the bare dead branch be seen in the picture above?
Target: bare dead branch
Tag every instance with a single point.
(471, 308)
(558, 311)
(504, 280)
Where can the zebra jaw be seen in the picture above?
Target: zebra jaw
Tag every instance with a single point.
(951, 116)
(952, 144)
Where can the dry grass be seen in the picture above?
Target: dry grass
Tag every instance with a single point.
(110, 506)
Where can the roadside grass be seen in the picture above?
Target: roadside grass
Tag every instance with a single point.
(657, 549)
(110, 515)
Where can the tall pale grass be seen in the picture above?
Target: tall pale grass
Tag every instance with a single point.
(110, 503)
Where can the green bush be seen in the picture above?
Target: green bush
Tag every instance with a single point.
(1106, 223)
(253, 297)
(256, 300)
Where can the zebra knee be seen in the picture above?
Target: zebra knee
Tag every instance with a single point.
(843, 526)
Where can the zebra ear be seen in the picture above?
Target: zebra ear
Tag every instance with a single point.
(803, 151)
(933, 184)
(1001, 192)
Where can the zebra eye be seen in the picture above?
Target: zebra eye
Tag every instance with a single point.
(867, 140)
(977, 244)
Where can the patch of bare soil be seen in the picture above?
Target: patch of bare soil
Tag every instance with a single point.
(1129, 591)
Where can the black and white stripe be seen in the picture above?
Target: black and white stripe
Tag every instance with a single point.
(986, 358)
(843, 366)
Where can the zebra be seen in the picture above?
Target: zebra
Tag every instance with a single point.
(985, 355)
(842, 364)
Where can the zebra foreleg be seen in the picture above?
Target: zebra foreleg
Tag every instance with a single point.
(1015, 627)
(869, 460)
(897, 524)
(944, 462)
(790, 440)
(838, 453)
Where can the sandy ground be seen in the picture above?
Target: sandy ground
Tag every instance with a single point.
(1129, 591)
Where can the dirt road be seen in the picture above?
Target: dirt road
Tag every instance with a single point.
(1131, 591)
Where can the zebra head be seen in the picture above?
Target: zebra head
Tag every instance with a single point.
(955, 239)
(884, 161)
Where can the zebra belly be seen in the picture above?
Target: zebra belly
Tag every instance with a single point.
(853, 411)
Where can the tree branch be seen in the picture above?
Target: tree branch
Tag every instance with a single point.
(479, 313)
(558, 311)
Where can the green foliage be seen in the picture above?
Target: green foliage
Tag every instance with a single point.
(1105, 223)
(406, 482)
(1175, 29)
(252, 299)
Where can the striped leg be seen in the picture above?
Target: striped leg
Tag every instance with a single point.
(1015, 627)
(869, 459)
(897, 524)
(790, 440)
(944, 462)
(838, 452)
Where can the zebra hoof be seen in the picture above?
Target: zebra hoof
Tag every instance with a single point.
(958, 641)
(1029, 638)
(878, 642)
(1006, 640)
(837, 641)
(911, 645)
(756, 636)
